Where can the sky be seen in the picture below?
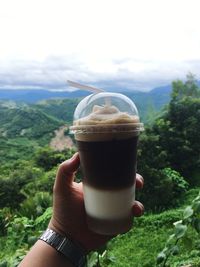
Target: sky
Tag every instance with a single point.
(135, 44)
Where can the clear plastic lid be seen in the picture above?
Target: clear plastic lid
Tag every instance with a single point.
(104, 110)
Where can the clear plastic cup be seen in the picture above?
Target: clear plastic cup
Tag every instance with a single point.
(106, 128)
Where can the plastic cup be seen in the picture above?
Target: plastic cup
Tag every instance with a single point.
(106, 128)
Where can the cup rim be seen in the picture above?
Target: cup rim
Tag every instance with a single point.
(107, 128)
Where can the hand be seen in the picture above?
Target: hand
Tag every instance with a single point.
(69, 216)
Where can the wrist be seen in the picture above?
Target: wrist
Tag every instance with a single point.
(52, 225)
(74, 235)
(65, 246)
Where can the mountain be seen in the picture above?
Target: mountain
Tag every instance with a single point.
(150, 103)
(25, 121)
(161, 95)
(23, 129)
(62, 109)
(54, 104)
(26, 126)
(33, 96)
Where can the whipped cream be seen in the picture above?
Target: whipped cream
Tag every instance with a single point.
(106, 115)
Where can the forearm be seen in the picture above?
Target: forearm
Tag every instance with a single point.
(43, 255)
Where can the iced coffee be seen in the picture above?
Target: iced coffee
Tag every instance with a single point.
(106, 128)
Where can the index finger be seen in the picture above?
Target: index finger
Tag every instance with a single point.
(139, 181)
(65, 173)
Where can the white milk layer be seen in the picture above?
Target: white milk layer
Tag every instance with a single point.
(108, 204)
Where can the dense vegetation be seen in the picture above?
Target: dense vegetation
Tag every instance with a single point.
(24, 128)
(168, 158)
(62, 109)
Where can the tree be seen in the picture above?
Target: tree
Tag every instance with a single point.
(47, 158)
(188, 89)
(173, 141)
(179, 135)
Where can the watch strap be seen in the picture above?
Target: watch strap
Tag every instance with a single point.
(74, 253)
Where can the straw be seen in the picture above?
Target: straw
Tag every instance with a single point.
(85, 87)
(89, 88)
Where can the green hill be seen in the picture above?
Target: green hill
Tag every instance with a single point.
(62, 104)
(24, 120)
(62, 109)
(149, 105)
(23, 128)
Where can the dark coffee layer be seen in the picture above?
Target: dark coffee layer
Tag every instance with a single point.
(109, 164)
(109, 227)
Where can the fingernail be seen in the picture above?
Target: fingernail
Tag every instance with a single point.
(138, 210)
(140, 177)
(74, 156)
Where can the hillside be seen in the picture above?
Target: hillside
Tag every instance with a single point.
(141, 246)
(149, 105)
(23, 128)
(62, 104)
(23, 120)
(62, 109)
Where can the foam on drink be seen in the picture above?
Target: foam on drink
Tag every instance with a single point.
(104, 115)
(105, 123)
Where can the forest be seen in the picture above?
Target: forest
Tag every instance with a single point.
(168, 234)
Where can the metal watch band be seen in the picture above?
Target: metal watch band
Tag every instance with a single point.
(64, 245)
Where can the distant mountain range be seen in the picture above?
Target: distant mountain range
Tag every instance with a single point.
(61, 105)
(33, 95)
(28, 118)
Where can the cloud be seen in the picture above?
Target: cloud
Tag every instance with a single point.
(107, 44)
(54, 71)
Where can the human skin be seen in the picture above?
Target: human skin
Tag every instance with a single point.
(69, 219)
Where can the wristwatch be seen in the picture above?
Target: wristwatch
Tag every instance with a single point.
(64, 245)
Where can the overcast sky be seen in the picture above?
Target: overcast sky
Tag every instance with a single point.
(138, 44)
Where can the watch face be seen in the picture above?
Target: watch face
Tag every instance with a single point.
(65, 246)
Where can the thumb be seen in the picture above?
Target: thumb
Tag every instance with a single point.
(66, 172)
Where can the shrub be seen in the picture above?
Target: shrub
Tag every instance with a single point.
(10, 195)
(47, 158)
(33, 207)
(5, 217)
(163, 188)
(166, 218)
(42, 221)
(186, 230)
(178, 182)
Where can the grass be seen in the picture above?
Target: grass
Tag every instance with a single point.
(138, 248)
